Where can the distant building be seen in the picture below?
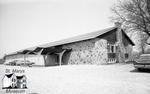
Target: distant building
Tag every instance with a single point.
(110, 45)
(11, 81)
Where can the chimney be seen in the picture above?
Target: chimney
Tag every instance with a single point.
(120, 50)
(118, 33)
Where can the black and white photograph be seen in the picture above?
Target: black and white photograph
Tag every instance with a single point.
(74, 46)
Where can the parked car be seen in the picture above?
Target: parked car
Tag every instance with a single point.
(21, 63)
(26, 63)
(143, 62)
(13, 63)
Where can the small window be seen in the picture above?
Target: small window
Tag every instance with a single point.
(24, 80)
(126, 55)
(111, 48)
(24, 86)
(13, 85)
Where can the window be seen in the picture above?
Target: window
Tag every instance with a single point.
(24, 86)
(111, 48)
(13, 80)
(126, 55)
(23, 80)
(13, 85)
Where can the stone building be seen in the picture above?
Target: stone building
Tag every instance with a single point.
(111, 45)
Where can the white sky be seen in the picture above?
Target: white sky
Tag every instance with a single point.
(28, 23)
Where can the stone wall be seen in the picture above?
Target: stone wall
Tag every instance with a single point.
(128, 50)
(88, 52)
(100, 54)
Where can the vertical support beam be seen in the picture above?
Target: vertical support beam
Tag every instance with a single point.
(24, 59)
(60, 55)
(25, 56)
(39, 54)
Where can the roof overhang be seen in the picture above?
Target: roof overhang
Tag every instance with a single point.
(51, 47)
(131, 42)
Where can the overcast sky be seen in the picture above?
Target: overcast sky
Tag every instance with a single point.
(28, 23)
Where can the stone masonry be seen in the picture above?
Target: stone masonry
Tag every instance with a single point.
(92, 51)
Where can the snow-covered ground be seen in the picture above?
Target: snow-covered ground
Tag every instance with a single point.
(84, 79)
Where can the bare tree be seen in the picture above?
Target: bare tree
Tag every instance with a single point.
(134, 16)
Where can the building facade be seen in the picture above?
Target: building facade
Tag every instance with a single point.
(106, 46)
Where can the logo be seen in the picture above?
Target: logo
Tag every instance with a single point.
(14, 81)
(11, 81)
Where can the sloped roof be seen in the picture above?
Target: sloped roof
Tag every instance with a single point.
(9, 75)
(20, 77)
(127, 37)
(76, 39)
